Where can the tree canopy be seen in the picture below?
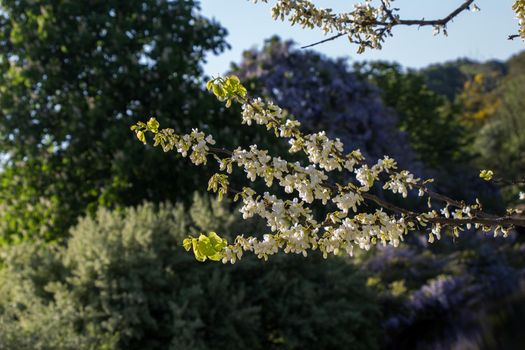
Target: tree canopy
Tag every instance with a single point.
(75, 76)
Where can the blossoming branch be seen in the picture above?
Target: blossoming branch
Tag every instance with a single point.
(292, 224)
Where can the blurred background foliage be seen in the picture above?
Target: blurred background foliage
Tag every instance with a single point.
(123, 281)
(91, 221)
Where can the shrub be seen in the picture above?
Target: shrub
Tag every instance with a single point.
(122, 281)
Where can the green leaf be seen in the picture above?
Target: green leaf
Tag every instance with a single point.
(206, 247)
(215, 257)
(153, 125)
(196, 250)
(217, 242)
(242, 91)
(218, 91)
(141, 136)
(186, 243)
(234, 79)
(486, 175)
(370, 180)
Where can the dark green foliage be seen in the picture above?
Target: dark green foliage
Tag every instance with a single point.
(430, 121)
(501, 140)
(122, 281)
(447, 79)
(489, 96)
(74, 76)
(434, 130)
(516, 64)
(314, 303)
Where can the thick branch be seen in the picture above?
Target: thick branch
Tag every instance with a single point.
(387, 205)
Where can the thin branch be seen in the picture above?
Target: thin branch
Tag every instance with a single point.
(388, 11)
(387, 205)
(439, 22)
(486, 219)
(221, 151)
(324, 41)
(397, 22)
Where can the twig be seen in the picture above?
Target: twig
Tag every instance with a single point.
(324, 41)
(388, 25)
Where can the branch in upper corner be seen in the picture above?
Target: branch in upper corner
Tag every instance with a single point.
(384, 23)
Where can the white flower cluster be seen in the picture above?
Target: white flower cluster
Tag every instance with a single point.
(279, 214)
(199, 146)
(435, 233)
(307, 181)
(321, 150)
(307, 15)
(364, 231)
(401, 183)
(262, 113)
(367, 25)
(296, 231)
(195, 143)
(348, 200)
(360, 24)
(290, 220)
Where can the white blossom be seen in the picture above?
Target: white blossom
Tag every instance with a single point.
(348, 200)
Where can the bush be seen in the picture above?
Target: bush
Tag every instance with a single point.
(123, 282)
(451, 295)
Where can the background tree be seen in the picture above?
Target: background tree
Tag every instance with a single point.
(434, 125)
(75, 75)
(476, 99)
(123, 281)
(430, 121)
(500, 140)
(449, 78)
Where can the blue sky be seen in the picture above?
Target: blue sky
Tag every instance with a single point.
(477, 35)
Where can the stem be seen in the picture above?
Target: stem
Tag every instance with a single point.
(388, 25)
